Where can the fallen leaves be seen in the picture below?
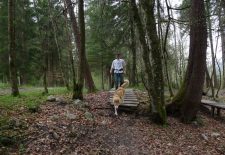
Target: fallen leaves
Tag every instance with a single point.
(85, 128)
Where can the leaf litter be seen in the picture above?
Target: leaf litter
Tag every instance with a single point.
(64, 129)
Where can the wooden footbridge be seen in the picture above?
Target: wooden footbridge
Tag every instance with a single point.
(130, 100)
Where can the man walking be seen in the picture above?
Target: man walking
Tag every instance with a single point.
(118, 68)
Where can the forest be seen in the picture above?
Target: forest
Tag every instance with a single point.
(59, 76)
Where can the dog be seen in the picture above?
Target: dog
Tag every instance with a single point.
(118, 97)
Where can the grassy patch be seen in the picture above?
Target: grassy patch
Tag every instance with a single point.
(29, 98)
(4, 85)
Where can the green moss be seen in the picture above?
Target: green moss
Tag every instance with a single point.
(162, 113)
(77, 92)
(4, 85)
(180, 94)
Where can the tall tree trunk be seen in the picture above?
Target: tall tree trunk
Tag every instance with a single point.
(133, 51)
(155, 80)
(86, 68)
(221, 13)
(189, 96)
(45, 48)
(88, 77)
(77, 90)
(12, 52)
(181, 61)
(102, 70)
(80, 42)
(70, 51)
(45, 68)
(148, 7)
(214, 76)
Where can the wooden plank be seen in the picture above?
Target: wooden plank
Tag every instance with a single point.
(128, 102)
(127, 105)
(126, 92)
(126, 96)
(135, 100)
(213, 104)
(128, 89)
(131, 97)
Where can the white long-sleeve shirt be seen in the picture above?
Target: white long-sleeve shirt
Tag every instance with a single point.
(118, 65)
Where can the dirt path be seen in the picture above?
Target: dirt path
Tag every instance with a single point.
(66, 129)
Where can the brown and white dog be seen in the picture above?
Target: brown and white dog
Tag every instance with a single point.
(118, 96)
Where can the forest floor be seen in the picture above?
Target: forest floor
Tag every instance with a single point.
(90, 127)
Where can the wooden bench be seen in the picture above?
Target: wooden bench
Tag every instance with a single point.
(214, 105)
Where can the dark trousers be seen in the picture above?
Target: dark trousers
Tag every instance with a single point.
(118, 79)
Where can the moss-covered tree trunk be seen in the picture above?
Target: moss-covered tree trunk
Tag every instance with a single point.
(12, 48)
(154, 76)
(188, 99)
(148, 7)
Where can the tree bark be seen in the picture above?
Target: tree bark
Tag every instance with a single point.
(88, 77)
(79, 35)
(133, 51)
(221, 12)
(70, 49)
(45, 68)
(86, 68)
(155, 78)
(82, 41)
(77, 91)
(12, 52)
(156, 54)
(188, 99)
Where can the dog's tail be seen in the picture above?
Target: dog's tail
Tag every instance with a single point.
(125, 84)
